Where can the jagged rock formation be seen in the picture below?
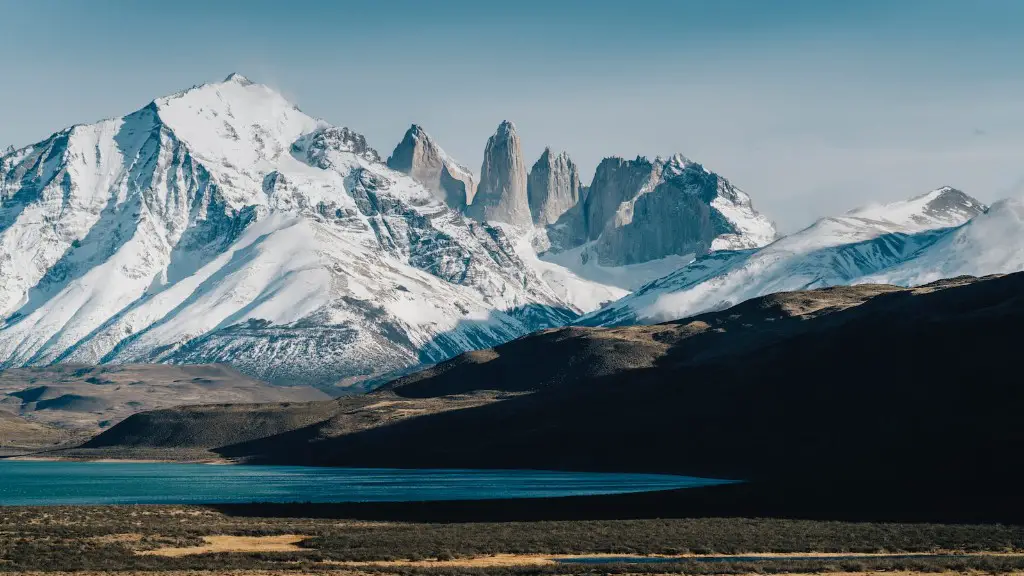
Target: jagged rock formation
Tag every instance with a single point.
(316, 146)
(639, 210)
(553, 187)
(501, 196)
(420, 157)
(222, 224)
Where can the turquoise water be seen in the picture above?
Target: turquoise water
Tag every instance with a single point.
(51, 483)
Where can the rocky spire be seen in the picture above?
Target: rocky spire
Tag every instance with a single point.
(501, 196)
(553, 187)
(420, 157)
(616, 180)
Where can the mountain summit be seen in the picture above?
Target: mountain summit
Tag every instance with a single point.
(864, 245)
(553, 187)
(420, 157)
(222, 224)
(502, 195)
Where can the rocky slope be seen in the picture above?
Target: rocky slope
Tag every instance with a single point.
(857, 247)
(638, 220)
(222, 224)
(87, 399)
(652, 216)
(421, 158)
(502, 195)
(553, 187)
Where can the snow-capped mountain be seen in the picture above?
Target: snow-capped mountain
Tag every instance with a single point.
(637, 221)
(991, 243)
(857, 247)
(222, 224)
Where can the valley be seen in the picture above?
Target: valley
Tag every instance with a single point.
(754, 392)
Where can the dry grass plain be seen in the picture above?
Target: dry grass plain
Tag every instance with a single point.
(204, 541)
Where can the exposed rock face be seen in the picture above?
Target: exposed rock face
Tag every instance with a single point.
(502, 195)
(640, 210)
(615, 181)
(553, 187)
(420, 157)
(315, 147)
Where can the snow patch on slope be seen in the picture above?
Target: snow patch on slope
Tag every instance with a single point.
(833, 251)
(585, 294)
(992, 243)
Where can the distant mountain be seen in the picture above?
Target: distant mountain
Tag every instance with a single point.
(991, 243)
(502, 194)
(856, 247)
(641, 219)
(420, 157)
(222, 224)
(553, 187)
(637, 220)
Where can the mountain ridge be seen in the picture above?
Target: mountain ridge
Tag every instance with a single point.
(222, 224)
(837, 250)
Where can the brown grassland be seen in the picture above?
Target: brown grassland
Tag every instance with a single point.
(205, 540)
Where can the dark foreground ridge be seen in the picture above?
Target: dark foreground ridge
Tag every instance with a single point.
(901, 400)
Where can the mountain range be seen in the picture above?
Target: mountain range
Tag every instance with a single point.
(221, 224)
(864, 245)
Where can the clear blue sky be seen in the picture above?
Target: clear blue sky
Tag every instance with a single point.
(812, 106)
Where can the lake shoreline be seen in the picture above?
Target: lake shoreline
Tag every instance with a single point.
(50, 482)
(105, 460)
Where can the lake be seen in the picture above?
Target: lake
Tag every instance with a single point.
(37, 483)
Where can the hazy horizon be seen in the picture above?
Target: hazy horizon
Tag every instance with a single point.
(813, 108)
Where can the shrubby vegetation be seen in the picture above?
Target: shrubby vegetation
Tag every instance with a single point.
(84, 539)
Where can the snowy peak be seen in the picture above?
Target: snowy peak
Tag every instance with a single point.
(944, 206)
(244, 124)
(990, 243)
(419, 156)
(221, 224)
(867, 244)
(238, 79)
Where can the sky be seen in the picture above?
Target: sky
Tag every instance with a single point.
(813, 107)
